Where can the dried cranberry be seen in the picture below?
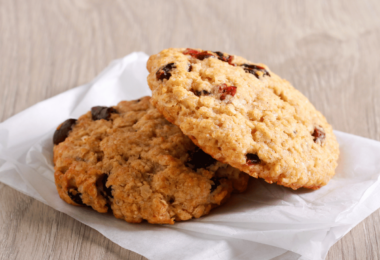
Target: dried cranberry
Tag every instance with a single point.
(319, 134)
(199, 55)
(102, 112)
(201, 93)
(191, 52)
(63, 131)
(75, 196)
(226, 90)
(164, 72)
(252, 159)
(253, 69)
(203, 55)
(199, 159)
(229, 60)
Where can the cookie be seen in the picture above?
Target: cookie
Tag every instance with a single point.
(243, 114)
(129, 159)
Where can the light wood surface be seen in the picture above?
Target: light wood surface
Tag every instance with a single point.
(330, 50)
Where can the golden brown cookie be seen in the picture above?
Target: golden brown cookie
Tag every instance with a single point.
(130, 159)
(243, 114)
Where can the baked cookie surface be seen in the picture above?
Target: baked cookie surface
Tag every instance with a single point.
(129, 159)
(243, 114)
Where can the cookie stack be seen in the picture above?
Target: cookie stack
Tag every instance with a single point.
(213, 120)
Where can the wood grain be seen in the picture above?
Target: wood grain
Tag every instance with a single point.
(329, 50)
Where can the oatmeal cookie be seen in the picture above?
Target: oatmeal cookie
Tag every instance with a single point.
(129, 159)
(243, 114)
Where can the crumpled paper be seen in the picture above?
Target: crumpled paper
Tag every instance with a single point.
(266, 222)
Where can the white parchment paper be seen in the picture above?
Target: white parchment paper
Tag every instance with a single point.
(266, 222)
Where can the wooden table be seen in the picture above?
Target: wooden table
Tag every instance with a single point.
(328, 49)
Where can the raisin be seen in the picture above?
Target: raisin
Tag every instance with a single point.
(252, 159)
(215, 185)
(190, 68)
(202, 93)
(253, 69)
(108, 191)
(63, 131)
(199, 159)
(226, 90)
(216, 181)
(228, 58)
(76, 197)
(220, 55)
(164, 72)
(319, 134)
(102, 188)
(102, 113)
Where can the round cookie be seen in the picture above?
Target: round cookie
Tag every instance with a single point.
(130, 159)
(244, 115)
